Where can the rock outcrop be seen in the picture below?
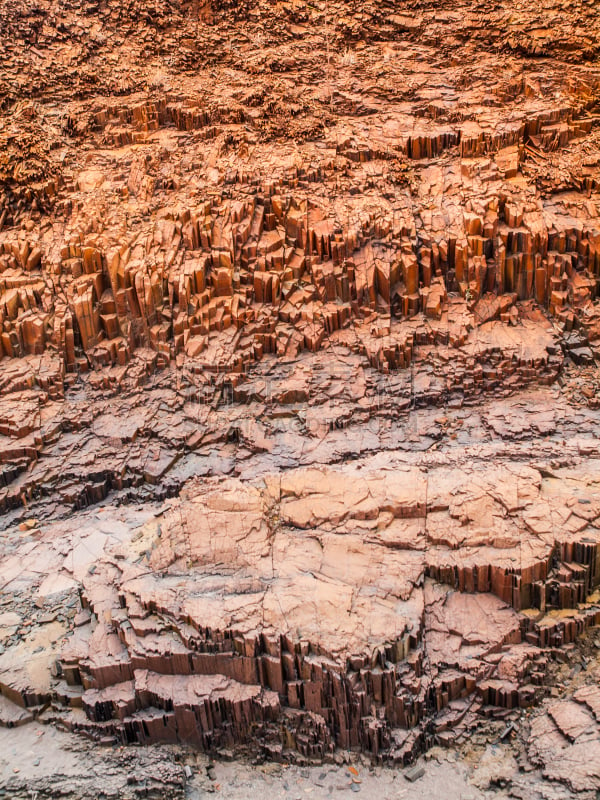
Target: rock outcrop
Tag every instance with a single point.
(299, 324)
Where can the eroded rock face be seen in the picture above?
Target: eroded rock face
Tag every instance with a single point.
(330, 181)
(367, 606)
(298, 391)
(565, 741)
(385, 604)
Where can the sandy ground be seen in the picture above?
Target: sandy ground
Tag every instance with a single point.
(449, 780)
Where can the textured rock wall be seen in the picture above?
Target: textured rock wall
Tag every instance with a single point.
(323, 280)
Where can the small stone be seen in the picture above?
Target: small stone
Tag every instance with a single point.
(414, 773)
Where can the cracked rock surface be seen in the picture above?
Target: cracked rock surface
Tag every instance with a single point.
(299, 451)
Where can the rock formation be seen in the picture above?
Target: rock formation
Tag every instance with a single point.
(298, 388)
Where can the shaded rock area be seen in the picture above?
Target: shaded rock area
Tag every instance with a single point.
(299, 398)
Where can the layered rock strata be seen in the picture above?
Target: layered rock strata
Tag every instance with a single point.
(279, 211)
(278, 614)
(299, 324)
